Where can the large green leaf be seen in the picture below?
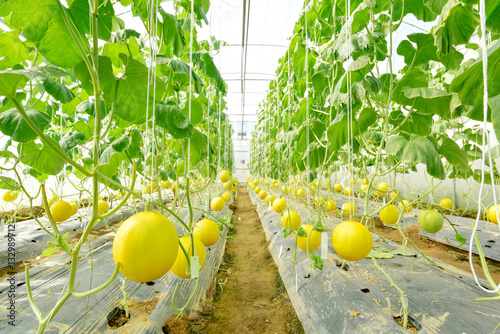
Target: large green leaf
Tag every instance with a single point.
(39, 72)
(178, 71)
(42, 23)
(429, 101)
(80, 11)
(425, 50)
(58, 91)
(455, 26)
(82, 127)
(493, 16)
(417, 123)
(12, 48)
(173, 35)
(415, 7)
(205, 62)
(469, 85)
(454, 154)
(41, 157)
(132, 92)
(107, 79)
(316, 130)
(171, 118)
(198, 107)
(9, 82)
(417, 149)
(113, 51)
(338, 132)
(13, 124)
(299, 58)
(198, 148)
(413, 79)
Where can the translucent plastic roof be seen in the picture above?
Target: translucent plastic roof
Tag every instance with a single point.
(270, 24)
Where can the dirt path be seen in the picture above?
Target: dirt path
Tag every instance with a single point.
(250, 296)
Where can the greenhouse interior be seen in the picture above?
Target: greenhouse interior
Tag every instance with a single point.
(249, 166)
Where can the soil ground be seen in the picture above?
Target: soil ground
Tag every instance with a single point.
(249, 294)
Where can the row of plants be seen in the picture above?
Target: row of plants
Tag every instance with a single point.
(119, 114)
(338, 110)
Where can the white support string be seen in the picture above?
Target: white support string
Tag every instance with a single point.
(191, 29)
(482, 16)
(151, 79)
(306, 68)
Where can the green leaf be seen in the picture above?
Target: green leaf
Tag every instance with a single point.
(425, 50)
(127, 146)
(435, 5)
(107, 78)
(180, 75)
(42, 23)
(36, 174)
(205, 62)
(49, 251)
(469, 85)
(84, 128)
(198, 148)
(455, 26)
(415, 7)
(429, 101)
(338, 132)
(417, 123)
(300, 232)
(316, 260)
(198, 107)
(41, 157)
(80, 11)
(460, 238)
(71, 139)
(40, 72)
(88, 108)
(7, 154)
(113, 51)
(12, 124)
(452, 59)
(12, 48)
(417, 149)
(8, 183)
(286, 232)
(493, 16)
(454, 154)
(9, 82)
(413, 79)
(58, 91)
(173, 35)
(316, 129)
(494, 104)
(132, 92)
(171, 118)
